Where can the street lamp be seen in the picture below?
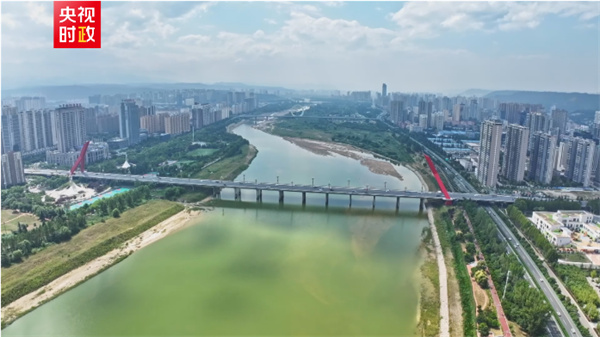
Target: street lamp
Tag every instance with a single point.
(348, 182)
(244, 177)
(278, 179)
(313, 182)
(385, 185)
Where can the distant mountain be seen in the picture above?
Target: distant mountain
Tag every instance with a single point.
(570, 101)
(475, 92)
(81, 91)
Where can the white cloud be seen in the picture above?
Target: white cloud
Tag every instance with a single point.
(38, 13)
(10, 21)
(270, 21)
(427, 19)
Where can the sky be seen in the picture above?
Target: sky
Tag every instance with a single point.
(442, 47)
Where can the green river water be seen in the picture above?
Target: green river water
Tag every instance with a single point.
(248, 269)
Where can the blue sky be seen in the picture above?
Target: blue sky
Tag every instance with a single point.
(412, 46)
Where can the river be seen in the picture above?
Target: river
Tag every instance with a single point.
(250, 269)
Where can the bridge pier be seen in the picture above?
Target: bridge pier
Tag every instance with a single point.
(421, 205)
(258, 195)
(281, 197)
(216, 193)
(350, 205)
(397, 204)
(303, 198)
(326, 199)
(373, 202)
(237, 194)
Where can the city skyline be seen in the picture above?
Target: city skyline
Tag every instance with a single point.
(415, 47)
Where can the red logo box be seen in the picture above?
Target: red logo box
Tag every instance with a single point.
(77, 24)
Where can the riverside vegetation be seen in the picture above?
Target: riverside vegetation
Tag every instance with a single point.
(57, 225)
(92, 242)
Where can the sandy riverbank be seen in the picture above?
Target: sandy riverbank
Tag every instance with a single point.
(365, 158)
(74, 277)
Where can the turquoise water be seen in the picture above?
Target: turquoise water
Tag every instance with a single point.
(98, 197)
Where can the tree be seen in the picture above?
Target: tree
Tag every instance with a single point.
(25, 247)
(592, 312)
(481, 278)
(484, 330)
(17, 255)
(5, 259)
(116, 213)
(470, 248)
(594, 274)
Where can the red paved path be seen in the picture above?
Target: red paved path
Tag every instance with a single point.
(501, 317)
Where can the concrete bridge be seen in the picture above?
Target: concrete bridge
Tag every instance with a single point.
(259, 187)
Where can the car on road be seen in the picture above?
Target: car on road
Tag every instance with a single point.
(541, 280)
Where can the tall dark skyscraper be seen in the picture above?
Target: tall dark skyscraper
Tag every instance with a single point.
(580, 160)
(489, 152)
(510, 112)
(541, 157)
(11, 130)
(513, 166)
(384, 95)
(397, 114)
(536, 121)
(129, 121)
(559, 120)
(69, 127)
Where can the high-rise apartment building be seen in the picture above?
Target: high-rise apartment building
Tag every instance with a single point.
(489, 152)
(36, 130)
(597, 117)
(559, 120)
(384, 94)
(108, 124)
(580, 161)
(151, 123)
(510, 112)
(177, 124)
(473, 110)
(457, 112)
(537, 122)
(397, 114)
(12, 169)
(197, 116)
(438, 120)
(30, 103)
(129, 121)
(515, 155)
(11, 130)
(541, 158)
(69, 127)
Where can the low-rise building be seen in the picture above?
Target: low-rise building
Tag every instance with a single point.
(555, 225)
(97, 151)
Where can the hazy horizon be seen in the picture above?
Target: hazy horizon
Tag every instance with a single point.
(413, 47)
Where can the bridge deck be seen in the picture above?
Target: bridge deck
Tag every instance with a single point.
(359, 191)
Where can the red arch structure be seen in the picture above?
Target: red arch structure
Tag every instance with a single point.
(438, 179)
(80, 162)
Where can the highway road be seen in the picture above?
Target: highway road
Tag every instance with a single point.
(536, 274)
(524, 257)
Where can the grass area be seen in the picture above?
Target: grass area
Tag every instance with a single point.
(229, 168)
(371, 136)
(92, 242)
(429, 317)
(574, 257)
(202, 152)
(455, 305)
(10, 219)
